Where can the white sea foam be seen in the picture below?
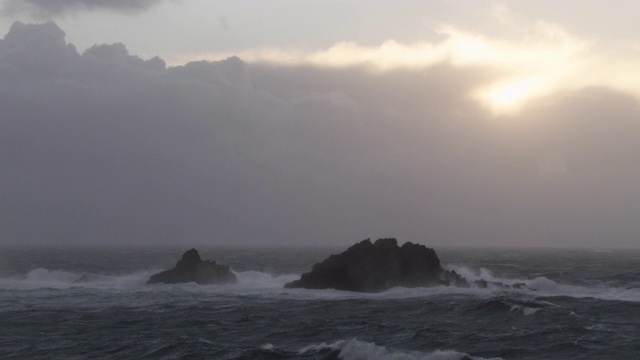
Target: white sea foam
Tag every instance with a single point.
(543, 286)
(525, 310)
(361, 350)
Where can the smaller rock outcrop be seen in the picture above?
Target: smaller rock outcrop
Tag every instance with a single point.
(191, 268)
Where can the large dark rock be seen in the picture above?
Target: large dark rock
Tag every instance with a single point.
(191, 268)
(379, 266)
(375, 267)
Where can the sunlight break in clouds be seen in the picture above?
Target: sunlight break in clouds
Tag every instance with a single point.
(546, 60)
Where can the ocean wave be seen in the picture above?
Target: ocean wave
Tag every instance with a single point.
(356, 350)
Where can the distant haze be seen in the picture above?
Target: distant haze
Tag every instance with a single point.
(102, 146)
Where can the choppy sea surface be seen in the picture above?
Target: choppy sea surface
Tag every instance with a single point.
(92, 303)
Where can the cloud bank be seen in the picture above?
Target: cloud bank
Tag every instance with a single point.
(106, 147)
(47, 8)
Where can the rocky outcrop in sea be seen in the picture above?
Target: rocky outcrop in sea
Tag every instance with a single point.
(374, 267)
(382, 265)
(191, 268)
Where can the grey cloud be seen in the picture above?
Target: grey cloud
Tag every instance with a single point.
(46, 8)
(106, 147)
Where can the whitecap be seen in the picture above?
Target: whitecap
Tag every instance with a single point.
(541, 284)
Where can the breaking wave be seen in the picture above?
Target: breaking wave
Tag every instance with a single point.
(543, 286)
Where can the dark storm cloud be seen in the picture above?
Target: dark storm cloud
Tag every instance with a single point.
(106, 147)
(42, 8)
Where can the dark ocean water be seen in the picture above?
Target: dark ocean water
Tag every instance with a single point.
(92, 303)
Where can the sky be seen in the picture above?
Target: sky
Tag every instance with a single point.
(307, 122)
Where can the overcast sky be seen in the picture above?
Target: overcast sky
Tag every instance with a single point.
(465, 123)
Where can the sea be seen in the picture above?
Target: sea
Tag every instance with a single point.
(84, 302)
